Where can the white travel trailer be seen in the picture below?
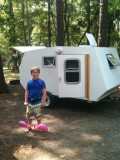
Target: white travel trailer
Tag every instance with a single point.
(86, 72)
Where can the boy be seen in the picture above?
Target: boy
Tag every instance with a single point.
(35, 97)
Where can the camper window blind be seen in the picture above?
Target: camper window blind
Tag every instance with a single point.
(49, 61)
(112, 61)
(72, 71)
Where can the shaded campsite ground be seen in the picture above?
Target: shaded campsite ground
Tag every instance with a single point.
(76, 131)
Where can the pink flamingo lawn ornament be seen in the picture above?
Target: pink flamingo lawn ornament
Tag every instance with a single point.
(38, 127)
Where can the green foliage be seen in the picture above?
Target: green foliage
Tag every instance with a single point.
(25, 22)
(114, 12)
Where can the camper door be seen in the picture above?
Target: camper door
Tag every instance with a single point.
(72, 76)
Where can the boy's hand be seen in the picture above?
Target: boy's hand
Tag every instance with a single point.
(25, 103)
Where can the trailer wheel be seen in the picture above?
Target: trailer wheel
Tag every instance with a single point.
(51, 100)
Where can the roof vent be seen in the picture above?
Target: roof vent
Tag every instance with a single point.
(91, 39)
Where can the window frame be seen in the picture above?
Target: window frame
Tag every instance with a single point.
(72, 70)
(110, 63)
(48, 66)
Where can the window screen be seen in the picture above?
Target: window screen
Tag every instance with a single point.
(72, 77)
(49, 61)
(72, 71)
(72, 64)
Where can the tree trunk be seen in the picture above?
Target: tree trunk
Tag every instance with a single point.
(88, 12)
(103, 23)
(88, 19)
(29, 25)
(66, 23)
(111, 20)
(11, 20)
(23, 21)
(49, 23)
(67, 30)
(3, 85)
(60, 23)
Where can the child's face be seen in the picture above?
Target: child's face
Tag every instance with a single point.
(35, 74)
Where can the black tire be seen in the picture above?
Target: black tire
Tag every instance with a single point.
(51, 100)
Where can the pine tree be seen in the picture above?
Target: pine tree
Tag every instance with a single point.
(103, 23)
(60, 23)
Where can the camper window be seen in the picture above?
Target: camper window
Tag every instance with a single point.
(72, 71)
(112, 61)
(49, 61)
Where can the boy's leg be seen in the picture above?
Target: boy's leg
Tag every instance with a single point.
(28, 116)
(38, 114)
(29, 123)
(39, 118)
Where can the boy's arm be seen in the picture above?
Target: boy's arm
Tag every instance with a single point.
(43, 100)
(26, 97)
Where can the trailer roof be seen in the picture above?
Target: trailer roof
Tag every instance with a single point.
(25, 49)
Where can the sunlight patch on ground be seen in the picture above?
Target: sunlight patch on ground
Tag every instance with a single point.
(91, 137)
(54, 123)
(19, 130)
(28, 152)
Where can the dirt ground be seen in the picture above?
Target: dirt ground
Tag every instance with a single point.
(77, 130)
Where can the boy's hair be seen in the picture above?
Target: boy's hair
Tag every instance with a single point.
(34, 68)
